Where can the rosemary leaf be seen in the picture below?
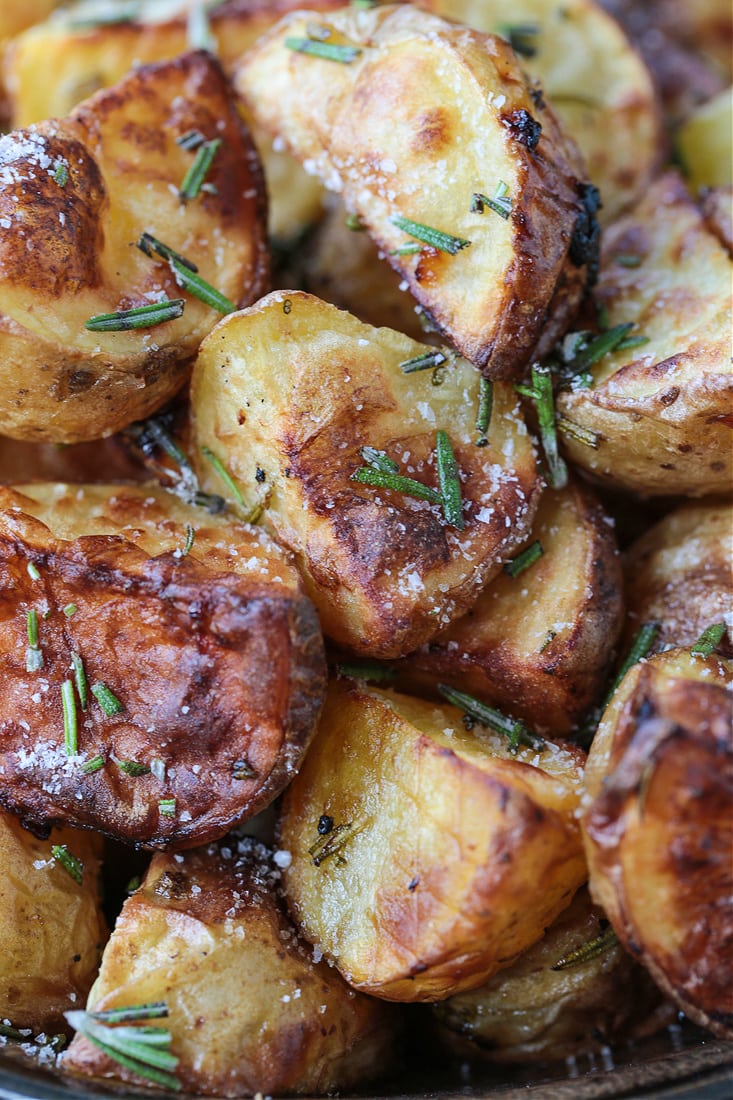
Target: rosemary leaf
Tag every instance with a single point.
(577, 431)
(381, 479)
(523, 561)
(379, 460)
(94, 765)
(425, 361)
(224, 474)
(80, 679)
(372, 671)
(70, 863)
(436, 238)
(450, 485)
(485, 406)
(328, 51)
(140, 317)
(151, 246)
(199, 170)
(199, 288)
(107, 700)
(709, 640)
(68, 703)
(516, 731)
(591, 950)
(541, 393)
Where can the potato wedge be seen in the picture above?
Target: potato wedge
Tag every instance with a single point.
(679, 575)
(661, 414)
(538, 644)
(422, 117)
(561, 998)
(425, 858)
(287, 393)
(51, 925)
(76, 194)
(594, 79)
(658, 828)
(250, 1011)
(212, 654)
(705, 143)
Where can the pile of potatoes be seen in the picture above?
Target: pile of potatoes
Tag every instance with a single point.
(355, 365)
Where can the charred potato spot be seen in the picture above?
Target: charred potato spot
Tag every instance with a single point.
(425, 890)
(503, 287)
(384, 569)
(77, 194)
(212, 663)
(268, 1017)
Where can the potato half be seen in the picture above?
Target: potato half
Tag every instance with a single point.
(250, 1010)
(661, 413)
(413, 119)
(288, 392)
(575, 991)
(540, 643)
(425, 858)
(51, 924)
(212, 655)
(594, 79)
(679, 574)
(75, 196)
(658, 827)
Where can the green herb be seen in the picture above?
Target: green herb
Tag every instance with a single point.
(591, 950)
(331, 843)
(485, 405)
(365, 5)
(8, 1032)
(151, 246)
(328, 51)
(423, 362)
(167, 807)
(33, 655)
(224, 474)
(436, 238)
(516, 731)
(632, 342)
(140, 317)
(523, 561)
(548, 640)
(94, 765)
(70, 610)
(200, 289)
(520, 36)
(709, 640)
(541, 394)
(406, 250)
(601, 345)
(242, 769)
(354, 223)
(106, 19)
(61, 174)
(153, 1010)
(109, 702)
(131, 767)
(378, 460)
(70, 863)
(501, 203)
(381, 479)
(80, 678)
(640, 647)
(188, 545)
(133, 885)
(199, 170)
(577, 431)
(33, 571)
(68, 703)
(190, 141)
(627, 259)
(450, 485)
(145, 1051)
(372, 671)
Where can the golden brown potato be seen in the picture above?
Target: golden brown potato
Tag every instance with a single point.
(716, 204)
(51, 925)
(576, 990)
(16, 15)
(288, 393)
(425, 858)
(75, 196)
(658, 827)
(101, 460)
(705, 143)
(250, 1008)
(538, 644)
(421, 119)
(594, 79)
(679, 574)
(661, 413)
(212, 654)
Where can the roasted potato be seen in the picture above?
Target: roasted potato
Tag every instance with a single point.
(102, 460)
(288, 393)
(251, 1011)
(658, 827)
(51, 923)
(421, 120)
(75, 196)
(659, 416)
(705, 143)
(576, 990)
(539, 644)
(425, 858)
(679, 574)
(716, 204)
(16, 15)
(200, 662)
(598, 85)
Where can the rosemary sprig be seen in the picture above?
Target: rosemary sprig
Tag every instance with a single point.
(520, 36)
(199, 170)
(167, 807)
(372, 671)
(190, 141)
(501, 203)
(587, 951)
(132, 768)
(153, 1010)
(379, 460)
(80, 679)
(541, 394)
(214, 460)
(185, 274)
(485, 406)
(33, 571)
(107, 700)
(709, 640)
(328, 51)
(436, 238)
(33, 654)
(523, 561)
(70, 863)
(89, 767)
(188, 544)
(151, 246)
(380, 479)
(140, 317)
(640, 647)
(145, 1051)
(61, 174)
(515, 730)
(410, 249)
(68, 703)
(330, 843)
(426, 361)
(450, 485)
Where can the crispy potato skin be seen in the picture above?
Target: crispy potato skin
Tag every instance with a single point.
(534, 1012)
(539, 644)
(408, 129)
(449, 856)
(678, 574)
(595, 81)
(662, 412)
(716, 204)
(102, 460)
(658, 828)
(267, 1018)
(58, 381)
(217, 659)
(294, 387)
(51, 927)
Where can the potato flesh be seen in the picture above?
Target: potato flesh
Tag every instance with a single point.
(426, 116)
(295, 388)
(249, 1009)
(52, 928)
(440, 841)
